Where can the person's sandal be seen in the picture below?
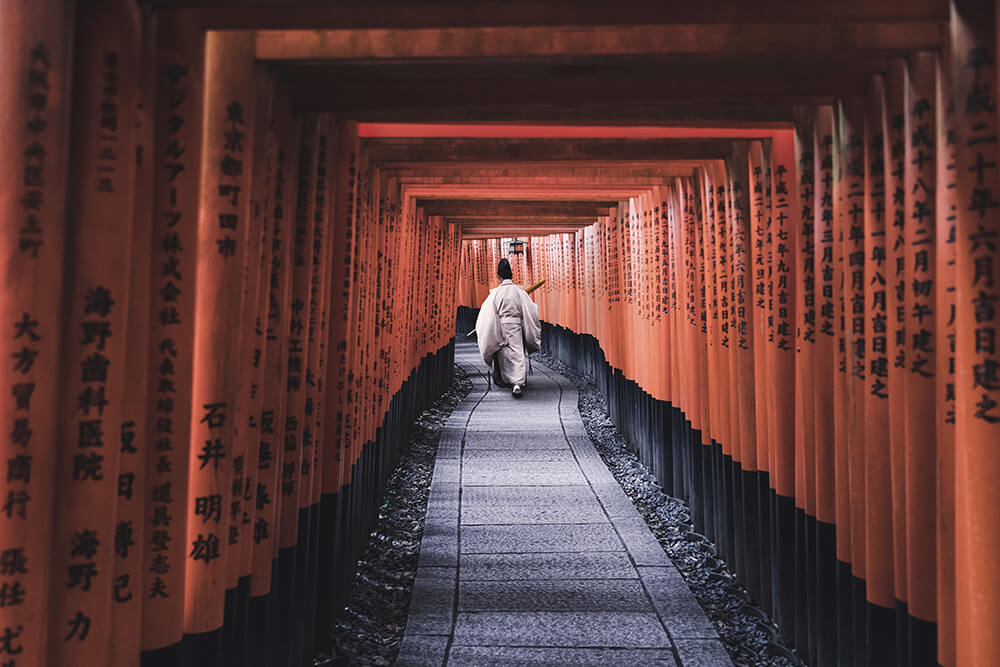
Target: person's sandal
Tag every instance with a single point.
(516, 391)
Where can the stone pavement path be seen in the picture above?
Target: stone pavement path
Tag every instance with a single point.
(533, 555)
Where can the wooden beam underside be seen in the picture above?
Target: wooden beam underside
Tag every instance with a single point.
(735, 39)
(297, 14)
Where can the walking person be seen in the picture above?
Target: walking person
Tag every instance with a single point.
(508, 330)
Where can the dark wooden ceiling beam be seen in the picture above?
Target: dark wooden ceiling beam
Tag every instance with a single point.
(288, 14)
(523, 42)
(312, 90)
(602, 111)
(511, 208)
(542, 150)
(587, 191)
(619, 173)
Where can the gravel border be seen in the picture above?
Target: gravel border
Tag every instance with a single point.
(370, 628)
(748, 633)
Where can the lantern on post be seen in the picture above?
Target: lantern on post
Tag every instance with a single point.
(516, 247)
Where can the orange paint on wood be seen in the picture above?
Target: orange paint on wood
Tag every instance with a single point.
(874, 392)
(36, 51)
(920, 113)
(126, 612)
(945, 290)
(896, 307)
(223, 232)
(177, 173)
(272, 416)
(977, 428)
(99, 247)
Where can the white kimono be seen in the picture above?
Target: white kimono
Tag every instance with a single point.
(506, 328)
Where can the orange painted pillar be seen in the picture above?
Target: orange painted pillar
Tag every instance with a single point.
(896, 308)
(177, 173)
(247, 426)
(342, 241)
(760, 221)
(825, 349)
(807, 578)
(784, 225)
(267, 494)
(850, 595)
(945, 288)
(977, 428)
(35, 56)
(875, 394)
(99, 246)
(319, 309)
(290, 453)
(919, 184)
(741, 325)
(239, 639)
(127, 591)
(849, 239)
(223, 229)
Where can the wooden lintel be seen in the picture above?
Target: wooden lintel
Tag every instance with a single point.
(291, 14)
(489, 208)
(396, 44)
(534, 150)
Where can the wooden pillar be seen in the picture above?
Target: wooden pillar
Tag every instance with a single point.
(875, 362)
(272, 414)
(126, 616)
(223, 231)
(177, 172)
(288, 453)
(807, 580)
(945, 286)
(36, 51)
(895, 150)
(919, 183)
(977, 415)
(246, 426)
(99, 246)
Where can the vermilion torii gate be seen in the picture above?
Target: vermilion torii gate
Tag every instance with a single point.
(235, 239)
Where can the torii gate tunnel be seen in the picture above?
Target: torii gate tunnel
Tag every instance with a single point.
(235, 238)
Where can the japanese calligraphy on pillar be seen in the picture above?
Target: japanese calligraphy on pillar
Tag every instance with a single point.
(176, 159)
(223, 228)
(977, 356)
(33, 117)
(919, 186)
(265, 495)
(102, 211)
(877, 263)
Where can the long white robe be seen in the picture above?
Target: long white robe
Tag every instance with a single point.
(507, 328)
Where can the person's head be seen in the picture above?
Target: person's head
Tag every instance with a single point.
(503, 270)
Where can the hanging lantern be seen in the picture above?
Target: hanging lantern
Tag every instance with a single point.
(516, 247)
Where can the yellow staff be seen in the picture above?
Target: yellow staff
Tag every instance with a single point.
(531, 289)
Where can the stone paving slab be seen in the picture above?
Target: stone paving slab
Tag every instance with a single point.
(505, 424)
(501, 455)
(423, 650)
(529, 473)
(591, 512)
(539, 539)
(533, 555)
(570, 629)
(702, 653)
(553, 595)
(531, 496)
(523, 440)
(640, 543)
(487, 656)
(679, 611)
(585, 565)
